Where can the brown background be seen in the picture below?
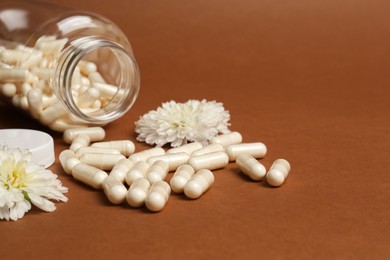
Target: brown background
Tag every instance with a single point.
(310, 79)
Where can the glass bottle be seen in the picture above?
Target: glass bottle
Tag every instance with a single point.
(66, 68)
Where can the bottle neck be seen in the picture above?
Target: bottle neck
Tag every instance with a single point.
(118, 87)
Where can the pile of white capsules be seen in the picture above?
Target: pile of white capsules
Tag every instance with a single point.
(112, 165)
(25, 75)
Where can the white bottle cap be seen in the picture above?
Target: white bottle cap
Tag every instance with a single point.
(40, 144)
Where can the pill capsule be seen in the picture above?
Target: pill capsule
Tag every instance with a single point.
(251, 167)
(137, 192)
(278, 172)
(53, 112)
(8, 89)
(126, 147)
(257, 150)
(33, 60)
(157, 171)
(182, 175)
(114, 189)
(64, 156)
(227, 139)
(52, 47)
(157, 196)
(95, 77)
(106, 90)
(138, 171)
(83, 150)
(186, 148)
(88, 97)
(43, 73)
(14, 75)
(199, 183)
(34, 98)
(210, 161)
(121, 169)
(61, 125)
(94, 133)
(13, 56)
(87, 67)
(101, 161)
(208, 149)
(145, 155)
(89, 175)
(80, 141)
(174, 160)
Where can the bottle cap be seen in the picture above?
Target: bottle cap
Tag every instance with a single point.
(40, 144)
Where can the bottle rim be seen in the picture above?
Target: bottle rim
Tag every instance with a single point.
(128, 87)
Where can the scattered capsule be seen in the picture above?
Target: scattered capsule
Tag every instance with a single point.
(137, 192)
(94, 133)
(89, 175)
(64, 156)
(34, 98)
(227, 139)
(126, 147)
(251, 167)
(88, 97)
(182, 175)
(257, 150)
(186, 148)
(157, 196)
(210, 161)
(145, 155)
(208, 149)
(14, 75)
(174, 160)
(80, 141)
(278, 172)
(8, 90)
(101, 161)
(114, 189)
(83, 150)
(53, 112)
(199, 183)
(157, 171)
(121, 169)
(138, 171)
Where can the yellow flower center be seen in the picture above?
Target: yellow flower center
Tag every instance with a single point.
(14, 172)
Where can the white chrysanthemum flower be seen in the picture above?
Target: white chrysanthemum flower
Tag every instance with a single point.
(179, 123)
(23, 183)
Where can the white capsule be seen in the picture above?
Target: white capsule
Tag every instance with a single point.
(126, 147)
(101, 161)
(64, 156)
(88, 97)
(87, 67)
(121, 169)
(114, 189)
(157, 196)
(13, 56)
(158, 171)
(70, 163)
(33, 60)
(257, 150)
(186, 148)
(278, 172)
(14, 75)
(251, 167)
(81, 140)
(95, 77)
(208, 149)
(174, 160)
(25, 88)
(146, 154)
(51, 47)
(182, 175)
(199, 183)
(85, 81)
(89, 175)
(210, 161)
(139, 170)
(94, 133)
(52, 113)
(76, 79)
(106, 90)
(137, 192)
(61, 125)
(34, 99)
(48, 100)
(16, 101)
(9, 90)
(83, 150)
(227, 139)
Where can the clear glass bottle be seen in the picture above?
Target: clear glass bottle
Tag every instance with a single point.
(80, 64)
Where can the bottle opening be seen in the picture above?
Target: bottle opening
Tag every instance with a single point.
(97, 79)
